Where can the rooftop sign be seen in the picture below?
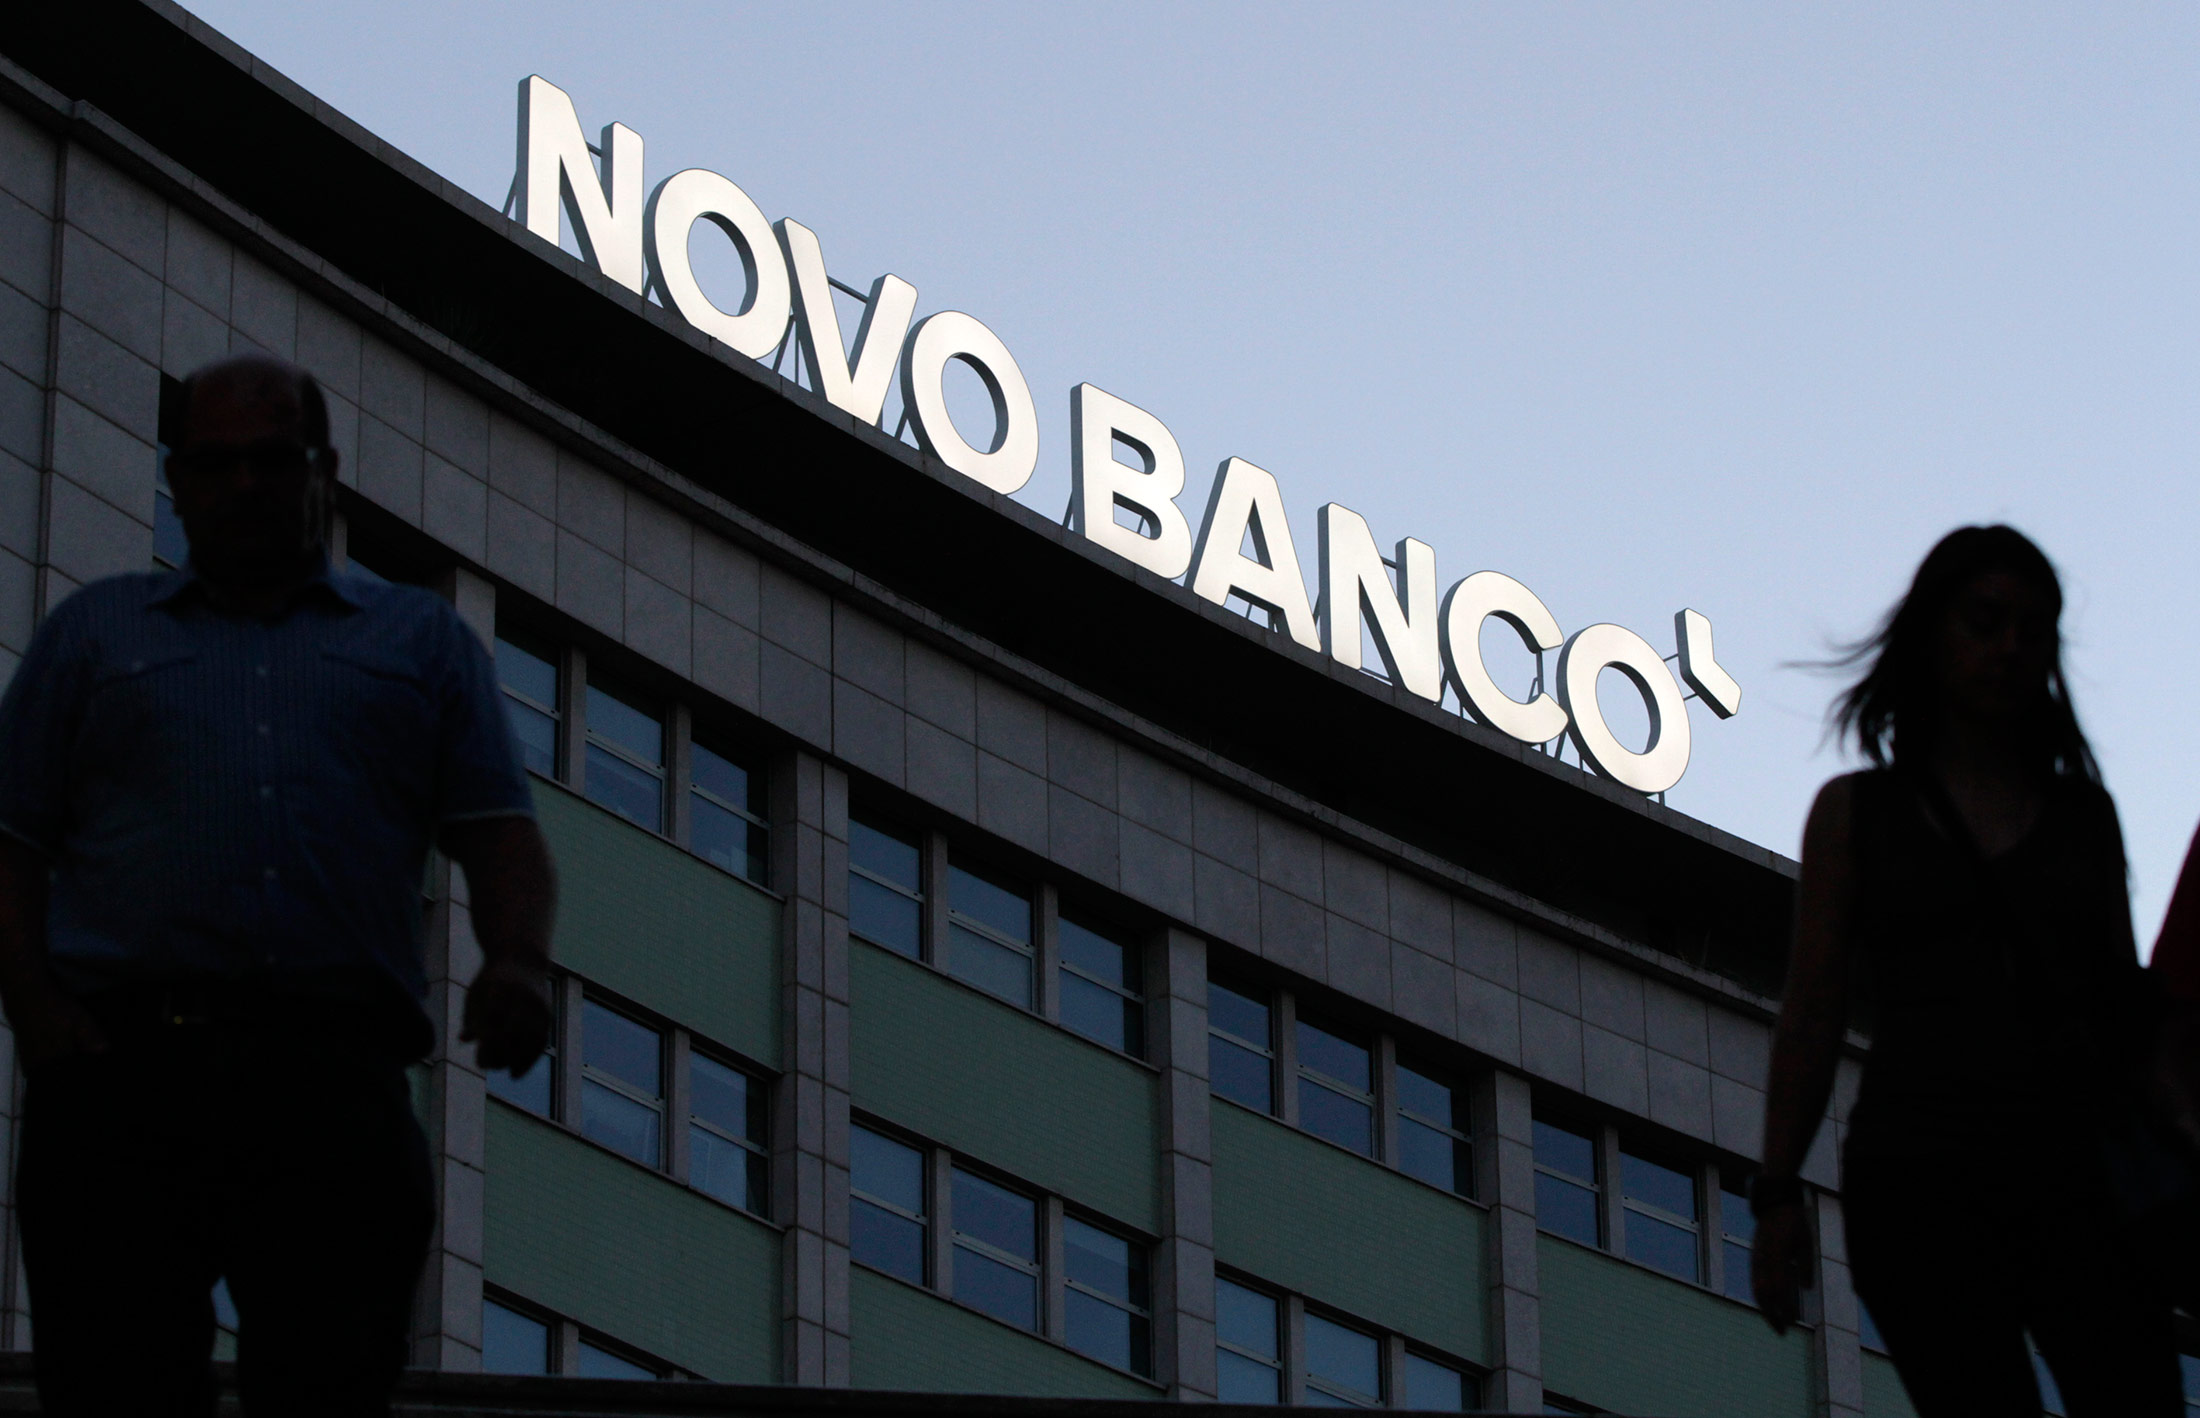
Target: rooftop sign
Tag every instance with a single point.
(1424, 641)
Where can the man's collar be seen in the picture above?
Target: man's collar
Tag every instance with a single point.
(185, 582)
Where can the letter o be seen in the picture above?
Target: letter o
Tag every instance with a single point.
(947, 335)
(1466, 606)
(1660, 765)
(698, 194)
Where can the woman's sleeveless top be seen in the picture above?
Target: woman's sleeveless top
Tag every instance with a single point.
(2004, 992)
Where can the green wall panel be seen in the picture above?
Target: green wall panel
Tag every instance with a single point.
(1628, 1339)
(630, 1253)
(905, 1338)
(1343, 1231)
(1884, 1396)
(666, 929)
(1004, 1088)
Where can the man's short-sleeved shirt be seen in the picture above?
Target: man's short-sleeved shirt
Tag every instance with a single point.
(224, 796)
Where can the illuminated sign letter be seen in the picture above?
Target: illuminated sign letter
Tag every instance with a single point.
(1246, 502)
(682, 200)
(1099, 483)
(553, 162)
(1662, 761)
(1007, 463)
(1466, 606)
(1355, 581)
(855, 386)
(1699, 669)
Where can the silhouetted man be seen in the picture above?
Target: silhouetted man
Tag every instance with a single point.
(218, 788)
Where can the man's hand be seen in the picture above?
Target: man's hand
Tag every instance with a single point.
(508, 1015)
(1779, 1265)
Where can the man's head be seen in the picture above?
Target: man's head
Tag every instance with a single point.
(252, 470)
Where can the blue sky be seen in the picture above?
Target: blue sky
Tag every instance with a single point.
(1735, 307)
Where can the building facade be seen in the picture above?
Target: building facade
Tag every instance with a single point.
(983, 966)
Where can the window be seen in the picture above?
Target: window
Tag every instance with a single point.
(1867, 1329)
(1737, 1235)
(887, 1214)
(622, 1084)
(1248, 1356)
(513, 1343)
(596, 1362)
(1433, 1387)
(996, 1233)
(1103, 996)
(1336, 1089)
(885, 889)
(535, 1089)
(1566, 1184)
(529, 673)
(989, 935)
(2189, 1367)
(1107, 1304)
(626, 757)
(1240, 1048)
(1344, 1367)
(726, 818)
(729, 1135)
(1432, 1132)
(1662, 1224)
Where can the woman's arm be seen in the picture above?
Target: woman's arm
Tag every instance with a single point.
(1805, 1048)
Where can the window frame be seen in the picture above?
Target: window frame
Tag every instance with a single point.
(1138, 1247)
(709, 741)
(661, 1105)
(523, 639)
(1347, 1397)
(1462, 1137)
(1267, 1050)
(1630, 1206)
(1307, 1073)
(926, 1221)
(953, 919)
(610, 686)
(754, 1148)
(1281, 1360)
(1135, 960)
(956, 1239)
(1597, 1185)
(888, 827)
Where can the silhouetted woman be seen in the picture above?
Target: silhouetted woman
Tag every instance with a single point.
(1976, 872)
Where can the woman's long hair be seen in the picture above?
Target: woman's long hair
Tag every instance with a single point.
(1892, 711)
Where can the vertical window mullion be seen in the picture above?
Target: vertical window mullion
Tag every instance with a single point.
(1612, 1209)
(679, 753)
(934, 876)
(1053, 1314)
(566, 1101)
(1287, 1060)
(1386, 1094)
(573, 719)
(679, 1090)
(1046, 952)
(1294, 1351)
(939, 1180)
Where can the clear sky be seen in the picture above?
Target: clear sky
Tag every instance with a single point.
(1736, 307)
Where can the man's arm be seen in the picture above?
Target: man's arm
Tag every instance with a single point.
(514, 888)
(48, 1023)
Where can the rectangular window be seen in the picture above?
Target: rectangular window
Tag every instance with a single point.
(1738, 1235)
(1344, 1367)
(1434, 1387)
(626, 757)
(2189, 1367)
(726, 817)
(622, 1084)
(1103, 996)
(989, 935)
(1566, 1184)
(597, 1362)
(1241, 1050)
(511, 1342)
(1248, 1353)
(885, 888)
(1662, 1217)
(886, 1212)
(1108, 1304)
(528, 670)
(535, 1089)
(1336, 1089)
(729, 1135)
(1432, 1132)
(996, 1250)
